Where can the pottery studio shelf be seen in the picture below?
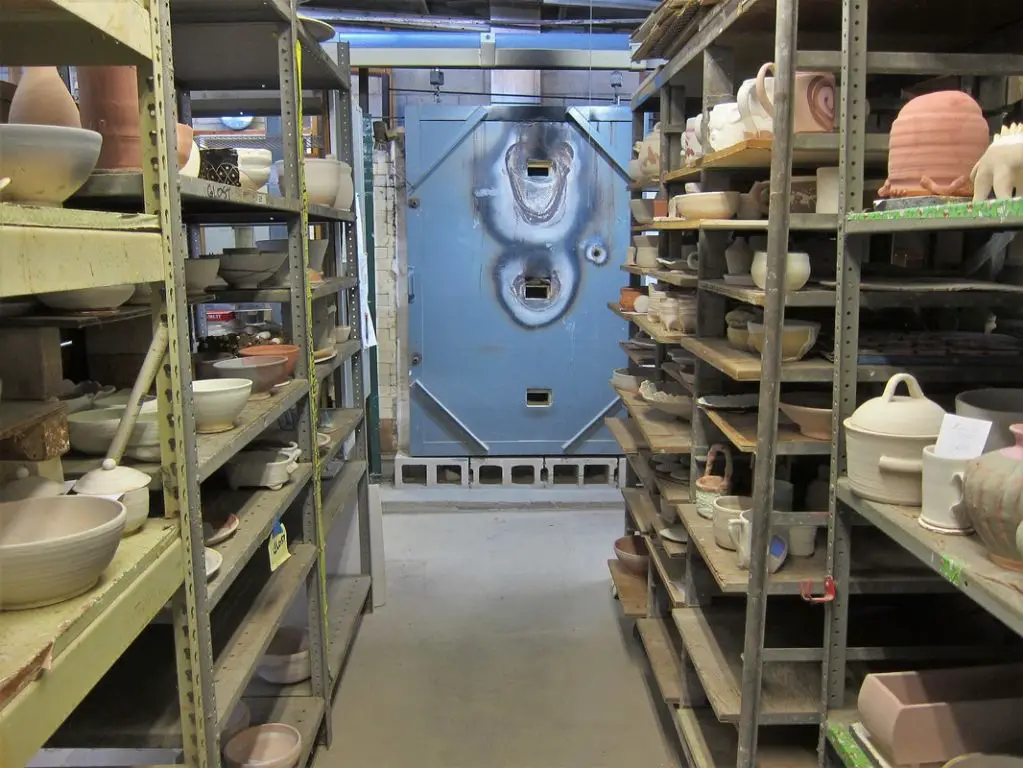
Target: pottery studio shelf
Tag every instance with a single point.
(347, 420)
(345, 350)
(648, 522)
(627, 435)
(54, 249)
(662, 432)
(798, 222)
(670, 571)
(331, 286)
(52, 656)
(654, 330)
(338, 492)
(986, 214)
(961, 560)
(631, 589)
(672, 277)
(89, 29)
(741, 431)
(663, 657)
(810, 151)
(709, 743)
(201, 200)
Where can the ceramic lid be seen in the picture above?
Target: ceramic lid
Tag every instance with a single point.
(28, 486)
(110, 480)
(910, 415)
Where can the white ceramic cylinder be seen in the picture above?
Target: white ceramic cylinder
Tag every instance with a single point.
(942, 494)
(797, 270)
(802, 541)
(827, 190)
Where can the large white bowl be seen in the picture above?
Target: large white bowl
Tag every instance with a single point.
(200, 274)
(317, 250)
(54, 549)
(273, 745)
(327, 182)
(707, 205)
(1002, 407)
(92, 431)
(46, 163)
(286, 661)
(218, 402)
(88, 299)
(248, 270)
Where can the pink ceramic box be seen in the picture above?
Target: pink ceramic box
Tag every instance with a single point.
(932, 716)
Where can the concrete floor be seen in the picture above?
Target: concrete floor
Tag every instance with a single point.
(500, 647)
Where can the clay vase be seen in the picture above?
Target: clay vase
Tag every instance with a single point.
(936, 141)
(184, 135)
(627, 299)
(813, 98)
(993, 500)
(41, 98)
(109, 100)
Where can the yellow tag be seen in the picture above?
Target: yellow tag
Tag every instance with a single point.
(278, 547)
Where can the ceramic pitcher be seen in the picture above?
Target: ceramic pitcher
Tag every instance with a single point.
(756, 120)
(813, 98)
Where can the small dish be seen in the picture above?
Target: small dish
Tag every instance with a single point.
(213, 562)
(325, 354)
(729, 402)
(676, 533)
(220, 532)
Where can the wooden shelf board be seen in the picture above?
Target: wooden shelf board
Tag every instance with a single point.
(673, 491)
(674, 370)
(642, 358)
(662, 432)
(338, 492)
(669, 571)
(673, 277)
(713, 744)
(16, 416)
(653, 330)
(805, 297)
(807, 222)
(663, 658)
(741, 430)
(713, 640)
(746, 366)
(627, 435)
(642, 510)
(631, 589)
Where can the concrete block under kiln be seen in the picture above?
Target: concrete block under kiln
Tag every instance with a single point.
(918, 718)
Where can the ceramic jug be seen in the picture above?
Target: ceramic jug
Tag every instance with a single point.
(993, 500)
(813, 98)
(109, 99)
(756, 120)
(41, 98)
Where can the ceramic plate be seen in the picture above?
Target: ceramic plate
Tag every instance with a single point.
(213, 535)
(682, 475)
(676, 533)
(329, 356)
(320, 31)
(729, 402)
(213, 562)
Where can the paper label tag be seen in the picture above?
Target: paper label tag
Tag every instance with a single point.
(961, 437)
(278, 546)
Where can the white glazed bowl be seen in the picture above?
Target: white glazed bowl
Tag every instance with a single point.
(707, 205)
(54, 549)
(622, 379)
(91, 431)
(264, 371)
(317, 250)
(642, 210)
(218, 402)
(274, 745)
(201, 273)
(323, 181)
(811, 412)
(249, 269)
(46, 163)
(88, 299)
(287, 658)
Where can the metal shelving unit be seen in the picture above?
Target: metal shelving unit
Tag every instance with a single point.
(105, 667)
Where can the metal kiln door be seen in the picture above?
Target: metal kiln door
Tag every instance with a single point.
(518, 220)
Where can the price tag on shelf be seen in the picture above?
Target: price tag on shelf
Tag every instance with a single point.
(278, 546)
(961, 437)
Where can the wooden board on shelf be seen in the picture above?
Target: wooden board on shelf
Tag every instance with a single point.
(672, 277)
(713, 744)
(631, 589)
(663, 657)
(811, 296)
(642, 510)
(662, 432)
(33, 431)
(746, 366)
(713, 640)
(741, 430)
(626, 434)
(673, 491)
(653, 330)
(669, 571)
(808, 222)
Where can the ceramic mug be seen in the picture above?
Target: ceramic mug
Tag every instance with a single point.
(726, 510)
(740, 531)
(941, 508)
(813, 97)
(802, 540)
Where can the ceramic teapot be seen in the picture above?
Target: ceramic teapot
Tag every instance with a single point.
(813, 98)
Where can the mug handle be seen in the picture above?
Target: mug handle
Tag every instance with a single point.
(693, 261)
(762, 96)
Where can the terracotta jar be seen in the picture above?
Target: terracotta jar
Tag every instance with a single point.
(41, 98)
(935, 142)
(109, 100)
(993, 500)
(627, 299)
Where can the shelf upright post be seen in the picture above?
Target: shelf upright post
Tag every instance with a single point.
(850, 252)
(192, 638)
(289, 61)
(786, 25)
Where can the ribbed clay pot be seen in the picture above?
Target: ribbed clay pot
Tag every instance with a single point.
(41, 98)
(109, 100)
(993, 500)
(935, 142)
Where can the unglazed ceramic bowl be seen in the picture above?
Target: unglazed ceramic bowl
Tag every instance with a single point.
(317, 250)
(250, 268)
(287, 658)
(88, 299)
(201, 273)
(642, 210)
(264, 371)
(290, 351)
(218, 403)
(323, 182)
(631, 552)
(274, 745)
(91, 431)
(797, 338)
(46, 163)
(202, 363)
(707, 205)
(622, 379)
(811, 411)
(54, 549)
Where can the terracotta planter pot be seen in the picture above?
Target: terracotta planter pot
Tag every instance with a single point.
(935, 142)
(993, 500)
(627, 299)
(109, 100)
(41, 98)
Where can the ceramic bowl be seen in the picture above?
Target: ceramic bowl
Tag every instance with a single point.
(202, 363)
(46, 163)
(1002, 407)
(250, 268)
(200, 274)
(726, 509)
(290, 351)
(345, 188)
(286, 660)
(54, 549)
(797, 338)
(631, 552)
(91, 431)
(264, 371)
(317, 251)
(811, 411)
(218, 402)
(323, 181)
(642, 210)
(274, 745)
(707, 205)
(738, 337)
(622, 379)
(88, 299)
